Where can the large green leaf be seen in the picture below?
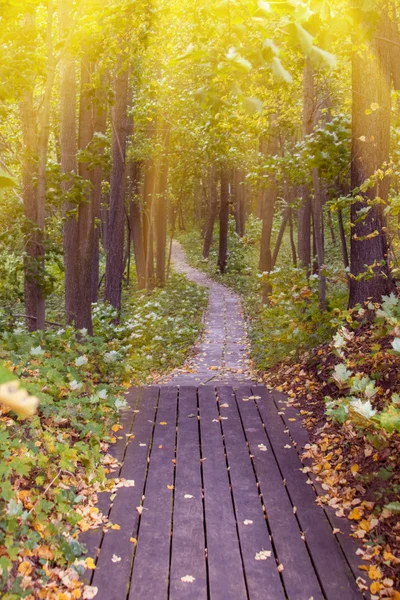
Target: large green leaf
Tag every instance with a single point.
(7, 180)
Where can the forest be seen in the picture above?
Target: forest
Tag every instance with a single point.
(264, 139)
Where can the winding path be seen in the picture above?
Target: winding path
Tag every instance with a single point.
(212, 500)
(222, 354)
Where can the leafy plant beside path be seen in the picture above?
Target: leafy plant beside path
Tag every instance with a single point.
(53, 465)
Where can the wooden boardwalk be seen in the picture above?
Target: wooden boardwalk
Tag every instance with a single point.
(220, 508)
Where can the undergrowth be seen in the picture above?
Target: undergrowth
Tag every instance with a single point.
(292, 321)
(51, 465)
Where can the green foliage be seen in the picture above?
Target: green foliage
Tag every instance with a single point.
(292, 321)
(51, 464)
(359, 405)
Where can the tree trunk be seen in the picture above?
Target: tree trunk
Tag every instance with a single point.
(83, 317)
(100, 125)
(318, 221)
(68, 148)
(240, 201)
(211, 212)
(270, 195)
(304, 213)
(223, 221)
(161, 217)
(292, 242)
(29, 165)
(135, 218)
(115, 254)
(370, 150)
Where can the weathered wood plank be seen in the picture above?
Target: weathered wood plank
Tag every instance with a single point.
(299, 434)
(262, 576)
(188, 543)
(298, 573)
(92, 538)
(334, 574)
(112, 578)
(225, 568)
(150, 576)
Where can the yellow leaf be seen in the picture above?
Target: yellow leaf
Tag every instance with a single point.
(76, 594)
(374, 572)
(375, 587)
(163, 422)
(355, 468)
(116, 427)
(115, 526)
(355, 514)
(133, 540)
(90, 564)
(170, 487)
(25, 568)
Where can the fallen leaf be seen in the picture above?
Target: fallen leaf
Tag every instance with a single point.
(170, 487)
(374, 572)
(139, 509)
(247, 522)
(25, 568)
(116, 559)
(188, 578)
(89, 592)
(163, 422)
(115, 526)
(89, 562)
(262, 447)
(188, 496)
(280, 568)
(263, 555)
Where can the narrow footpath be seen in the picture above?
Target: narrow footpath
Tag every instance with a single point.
(211, 499)
(222, 354)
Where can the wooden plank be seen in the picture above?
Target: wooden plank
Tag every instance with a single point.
(334, 574)
(298, 573)
(112, 578)
(150, 576)
(188, 543)
(299, 434)
(93, 538)
(225, 568)
(262, 576)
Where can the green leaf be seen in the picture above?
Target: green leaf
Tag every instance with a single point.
(264, 7)
(253, 105)
(279, 71)
(393, 507)
(7, 180)
(321, 58)
(5, 375)
(304, 38)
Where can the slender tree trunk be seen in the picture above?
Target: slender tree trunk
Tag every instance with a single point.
(135, 218)
(285, 218)
(68, 148)
(343, 241)
(29, 171)
(292, 242)
(318, 221)
(115, 254)
(223, 221)
(161, 217)
(270, 195)
(304, 213)
(371, 84)
(211, 212)
(100, 125)
(83, 317)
